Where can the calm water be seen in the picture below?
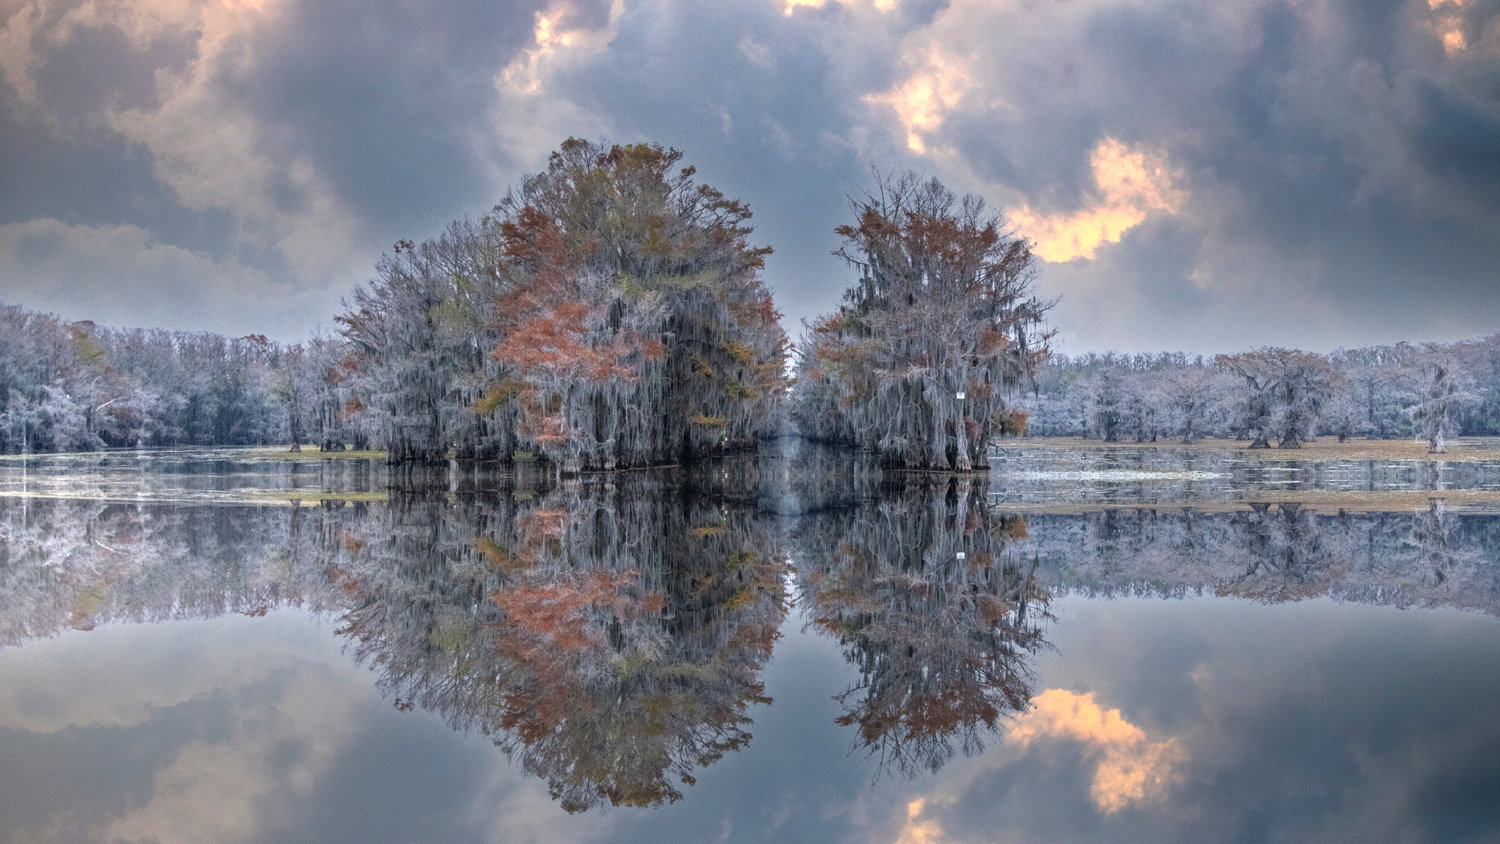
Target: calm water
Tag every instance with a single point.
(225, 647)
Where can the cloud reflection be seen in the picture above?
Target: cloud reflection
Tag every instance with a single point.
(919, 830)
(220, 791)
(1131, 769)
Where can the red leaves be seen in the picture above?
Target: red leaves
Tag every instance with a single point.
(554, 345)
(567, 613)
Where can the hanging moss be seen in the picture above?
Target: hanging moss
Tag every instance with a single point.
(938, 331)
(594, 319)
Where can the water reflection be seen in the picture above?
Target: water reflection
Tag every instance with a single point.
(1165, 475)
(1273, 553)
(612, 637)
(924, 591)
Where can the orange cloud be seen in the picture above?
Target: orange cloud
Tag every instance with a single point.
(554, 33)
(923, 100)
(1130, 183)
(916, 830)
(1131, 767)
(1448, 24)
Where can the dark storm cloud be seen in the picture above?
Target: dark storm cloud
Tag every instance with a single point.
(59, 160)
(353, 124)
(1363, 224)
(100, 68)
(92, 177)
(1456, 138)
(387, 99)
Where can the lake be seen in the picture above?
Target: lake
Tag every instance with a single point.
(1143, 644)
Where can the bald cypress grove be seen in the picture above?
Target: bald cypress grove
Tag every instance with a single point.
(937, 331)
(608, 314)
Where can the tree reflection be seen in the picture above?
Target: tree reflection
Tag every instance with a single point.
(1273, 553)
(939, 615)
(609, 637)
(1282, 552)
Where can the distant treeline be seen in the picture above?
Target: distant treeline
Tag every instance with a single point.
(1273, 395)
(78, 387)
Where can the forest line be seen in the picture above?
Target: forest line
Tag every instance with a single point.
(611, 313)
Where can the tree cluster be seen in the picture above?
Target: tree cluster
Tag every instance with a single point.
(920, 362)
(79, 387)
(608, 313)
(1272, 394)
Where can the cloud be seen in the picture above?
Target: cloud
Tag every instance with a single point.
(919, 830)
(1131, 183)
(926, 97)
(209, 149)
(560, 30)
(223, 790)
(85, 272)
(1448, 23)
(529, 115)
(1130, 767)
(791, 6)
(124, 676)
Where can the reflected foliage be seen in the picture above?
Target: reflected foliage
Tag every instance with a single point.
(609, 637)
(1274, 553)
(79, 563)
(923, 590)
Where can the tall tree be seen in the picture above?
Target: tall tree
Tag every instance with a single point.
(1442, 391)
(937, 331)
(653, 338)
(1283, 391)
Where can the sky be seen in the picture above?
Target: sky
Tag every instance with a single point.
(1197, 175)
